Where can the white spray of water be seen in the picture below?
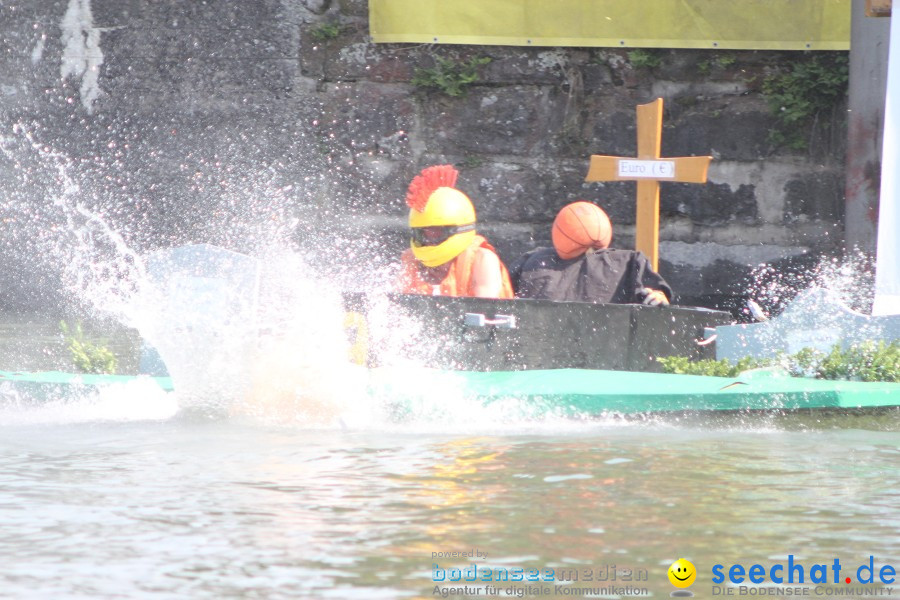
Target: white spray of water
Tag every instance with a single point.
(281, 355)
(98, 264)
(82, 56)
(300, 370)
(140, 399)
(849, 278)
(291, 365)
(37, 52)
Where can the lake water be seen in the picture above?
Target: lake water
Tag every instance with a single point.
(126, 497)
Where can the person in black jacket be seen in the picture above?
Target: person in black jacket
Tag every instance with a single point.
(580, 267)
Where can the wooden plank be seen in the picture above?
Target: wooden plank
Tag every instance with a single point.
(646, 225)
(692, 169)
(649, 127)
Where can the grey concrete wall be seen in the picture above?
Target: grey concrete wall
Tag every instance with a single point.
(231, 122)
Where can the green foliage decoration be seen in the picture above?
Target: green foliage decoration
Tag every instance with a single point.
(868, 361)
(448, 76)
(720, 61)
(723, 61)
(797, 95)
(471, 162)
(87, 356)
(325, 32)
(682, 365)
(644, 59)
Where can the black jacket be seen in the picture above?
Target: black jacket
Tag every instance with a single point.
(601, 276)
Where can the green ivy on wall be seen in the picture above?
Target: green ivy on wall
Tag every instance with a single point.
(449, 76)
(799, 92)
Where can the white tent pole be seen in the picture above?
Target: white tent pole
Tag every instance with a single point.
(887, 263)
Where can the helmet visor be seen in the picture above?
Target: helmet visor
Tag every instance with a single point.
(436, 234)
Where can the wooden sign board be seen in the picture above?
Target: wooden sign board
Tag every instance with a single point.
(686, 169)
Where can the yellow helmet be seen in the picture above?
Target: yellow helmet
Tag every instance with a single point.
(441, 218)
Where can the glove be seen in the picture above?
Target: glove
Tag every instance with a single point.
(653, 297)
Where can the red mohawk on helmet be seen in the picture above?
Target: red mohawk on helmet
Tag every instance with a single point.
(425, 183)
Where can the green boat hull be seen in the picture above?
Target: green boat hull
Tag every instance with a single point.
(583, 392)
(47, 385)
(596, 392)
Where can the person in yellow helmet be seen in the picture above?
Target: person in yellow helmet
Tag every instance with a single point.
(446, 256)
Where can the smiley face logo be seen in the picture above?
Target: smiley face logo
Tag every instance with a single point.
(682, 573)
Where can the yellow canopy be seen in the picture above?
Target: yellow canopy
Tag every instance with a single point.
(725, 24)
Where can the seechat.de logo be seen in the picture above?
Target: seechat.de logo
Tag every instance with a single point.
(795, 572)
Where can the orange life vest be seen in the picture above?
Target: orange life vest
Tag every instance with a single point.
(458, 281)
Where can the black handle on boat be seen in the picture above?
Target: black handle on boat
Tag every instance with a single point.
(480, 320)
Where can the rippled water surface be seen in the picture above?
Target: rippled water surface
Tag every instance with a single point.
(186, 508)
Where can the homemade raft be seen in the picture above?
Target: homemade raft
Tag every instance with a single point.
(565, 358)
(557, 358)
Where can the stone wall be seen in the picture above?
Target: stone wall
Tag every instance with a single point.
(231, 122)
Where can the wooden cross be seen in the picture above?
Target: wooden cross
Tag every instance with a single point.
(648, 169)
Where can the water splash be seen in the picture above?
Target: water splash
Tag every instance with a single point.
(82, 56)
(212, 345)
(138, 400)
(52, 218)
(850, 278)
(278, 356)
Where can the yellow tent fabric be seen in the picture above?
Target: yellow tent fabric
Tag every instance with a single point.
(722, 24)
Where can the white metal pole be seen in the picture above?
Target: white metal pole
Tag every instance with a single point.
(887, 263)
